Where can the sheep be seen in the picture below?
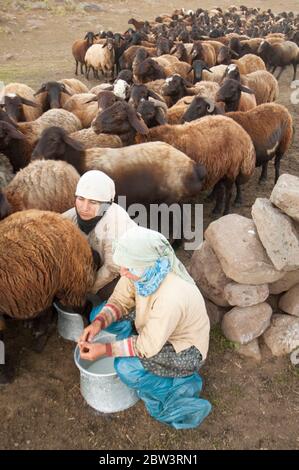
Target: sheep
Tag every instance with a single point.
(100, 57)
(180, 51)
(203, 51)
(79, 49)
(127, 59)
(6, 171)
(246, 64)
(43, 258)
(82, 107)
(270, 127)
(89, 139)
(156, 86)
(203, 72)
(44, 185)
(262, 82)
(17, 142)
(55, 94)
(121, 88)
(20, 103)
(137, 170)
(147, 70)
(218, 143)
(235, 97)
(280, 55)
(172, 65)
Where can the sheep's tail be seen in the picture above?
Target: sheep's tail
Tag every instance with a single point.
(248, 163)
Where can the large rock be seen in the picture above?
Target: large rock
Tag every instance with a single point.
(278, 235)
(289, 302)
(243, 258)
(285, 195)
(208, 274)
(289, 280)
(215, 313)
(243, 324)
(245, 295)
(251, 349)
(283, 335)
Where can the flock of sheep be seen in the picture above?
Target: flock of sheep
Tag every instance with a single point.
(187, 104)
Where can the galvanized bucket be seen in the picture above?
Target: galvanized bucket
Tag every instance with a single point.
(100, 385)
(70, 325)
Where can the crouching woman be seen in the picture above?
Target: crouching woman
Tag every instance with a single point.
(161, 361)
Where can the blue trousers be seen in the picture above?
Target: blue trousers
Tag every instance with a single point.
(173, 401)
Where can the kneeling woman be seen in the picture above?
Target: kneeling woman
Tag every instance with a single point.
(162, 360)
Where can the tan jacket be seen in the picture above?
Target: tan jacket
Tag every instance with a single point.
(175, 312)
(114, 223)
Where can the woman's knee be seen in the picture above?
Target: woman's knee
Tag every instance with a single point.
(129, 370)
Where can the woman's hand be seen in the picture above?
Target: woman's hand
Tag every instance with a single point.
(91, 351)
(90, 331)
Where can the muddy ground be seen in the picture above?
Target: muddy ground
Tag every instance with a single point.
(255, 406)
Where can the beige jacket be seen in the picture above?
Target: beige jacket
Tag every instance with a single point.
(175, 312)
(114, 223)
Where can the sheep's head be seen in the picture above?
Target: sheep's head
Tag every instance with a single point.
(232, 71)
(175, 85)
(8, 133)
(52, 92)
(152, 112)
(90, 38)
(14, 106)
(199, 107)
(198, 66)
(230, 93)
(225, 55)
(53, 144)
(120, 118)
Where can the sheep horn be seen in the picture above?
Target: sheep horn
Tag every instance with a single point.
(158, 103)
(211, 105)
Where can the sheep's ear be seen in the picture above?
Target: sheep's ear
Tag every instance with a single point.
(246, 90)
(160, 116)
(173, 50)
(104, 45)
(28, 102)
(42, 89)
(187, 83)
(205, 67)
(136, 121)
(64, 90)
(14, 133)
(154, 95)
(75, 144)
(233, 53)
(95, 98)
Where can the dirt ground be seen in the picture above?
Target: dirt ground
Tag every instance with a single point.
(254, 406)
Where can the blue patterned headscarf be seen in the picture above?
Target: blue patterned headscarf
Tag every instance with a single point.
(152, 277)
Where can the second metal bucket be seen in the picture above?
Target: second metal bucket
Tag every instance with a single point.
(70, 325)
(100, 385)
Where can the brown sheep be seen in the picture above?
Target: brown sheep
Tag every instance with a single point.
(55, 94)
(127, 59)
(44, 185)
(138, 170)
(17, 142)
(81, 106)
(43, 258)
(20, 102)
(216, 142)
(79, 49)
(236, 96)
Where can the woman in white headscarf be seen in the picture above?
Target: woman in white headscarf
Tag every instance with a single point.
(102, 221)
(171, 321)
